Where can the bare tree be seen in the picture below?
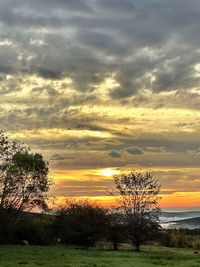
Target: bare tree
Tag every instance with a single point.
(139, 200)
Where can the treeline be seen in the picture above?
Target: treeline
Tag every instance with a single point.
(84, 225)
(180, 238)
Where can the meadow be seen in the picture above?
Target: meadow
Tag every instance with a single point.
(32, 256)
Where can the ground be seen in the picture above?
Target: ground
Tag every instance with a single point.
(32, 256)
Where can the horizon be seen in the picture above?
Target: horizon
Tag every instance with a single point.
(180, 209)
(103, 87)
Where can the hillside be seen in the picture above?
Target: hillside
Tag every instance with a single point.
(187, 219)
(169, 216)
(191, 223)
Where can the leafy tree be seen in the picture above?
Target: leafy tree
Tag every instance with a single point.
(178, 238)
(36, 228)
(138, 198)
(81, 223)
(24, 180)
(116, 229)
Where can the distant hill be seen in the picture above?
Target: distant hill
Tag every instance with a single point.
(191, 223)
(188, 219)
(185, 214)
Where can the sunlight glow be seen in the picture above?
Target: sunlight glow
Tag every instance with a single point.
(109, 172)
(57, 133)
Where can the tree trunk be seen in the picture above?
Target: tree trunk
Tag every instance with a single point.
(137, 247)
(115, 247)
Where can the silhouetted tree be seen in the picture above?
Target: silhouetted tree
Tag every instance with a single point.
(24, 184)
(24, 179)
(36, 228)
(81, 223)
(116, 229)
(139, 202)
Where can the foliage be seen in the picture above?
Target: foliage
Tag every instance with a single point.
(24, 179)
(116, 230)
(139, 202)
(196, 244)
(178, 239)
(35, 228)
(81, 223)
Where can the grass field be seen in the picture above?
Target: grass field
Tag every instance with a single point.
(63, 257)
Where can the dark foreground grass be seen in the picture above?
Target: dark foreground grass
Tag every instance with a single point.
(62, 257)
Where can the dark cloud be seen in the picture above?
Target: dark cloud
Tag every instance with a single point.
(114, 154)
(47, 7)
(102, 42)
(90, 40)
(113, 6)
(48, 74)
(123, 92)
(135, 150)
(59, 157)
(81, 68)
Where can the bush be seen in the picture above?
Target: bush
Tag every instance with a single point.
(196, 244)
(81, 223)
(35, 228)
(178, 239)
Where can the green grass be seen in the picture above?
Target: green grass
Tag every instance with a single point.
(11, 256)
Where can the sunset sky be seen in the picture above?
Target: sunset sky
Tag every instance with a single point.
(101, 87)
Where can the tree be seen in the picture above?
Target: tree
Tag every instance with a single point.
(116, 229)
(138, 198)
(24, 180)
(81, 223)
(178, 238)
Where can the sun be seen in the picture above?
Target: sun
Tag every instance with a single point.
(109, 172)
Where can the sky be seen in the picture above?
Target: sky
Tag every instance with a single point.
(102, 87)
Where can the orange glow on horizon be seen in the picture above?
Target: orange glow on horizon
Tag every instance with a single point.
(179, 199)
(91, 184)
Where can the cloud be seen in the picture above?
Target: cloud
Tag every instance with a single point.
(59, 157)
(116, 6)
(195, 152)
(122, 92)
(70, 39)
(48, 74)
(114, 154)
(156, 149)
(100, 78)
(135, 150)
(50, 8)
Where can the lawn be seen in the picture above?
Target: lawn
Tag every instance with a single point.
(64, 257)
